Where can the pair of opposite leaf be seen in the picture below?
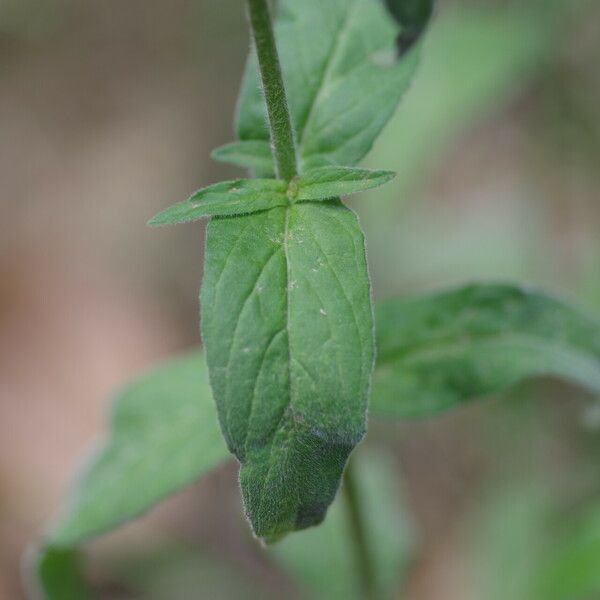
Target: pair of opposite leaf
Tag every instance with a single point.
(247, 196)
(287, 318)
(287, 325)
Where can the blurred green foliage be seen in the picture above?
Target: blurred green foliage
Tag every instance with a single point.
(478, 60)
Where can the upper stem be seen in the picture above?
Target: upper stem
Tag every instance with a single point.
(358, 531)
(280, 122)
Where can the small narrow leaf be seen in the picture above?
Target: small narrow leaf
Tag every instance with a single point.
(164, 436)
(342, 74)
(439, 351)
(323, 559)
(243, 196)
(287, 326)
(253, 155)
(331, 182)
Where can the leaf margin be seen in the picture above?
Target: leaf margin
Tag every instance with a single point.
(225, 199)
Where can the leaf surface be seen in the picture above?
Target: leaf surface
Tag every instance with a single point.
(288, 331)
(342, 78)
(254, 155)
(243, 196)
(438, 351)
(331, 182)
(163, 436)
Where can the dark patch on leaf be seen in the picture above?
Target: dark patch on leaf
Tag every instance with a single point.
(413, 16)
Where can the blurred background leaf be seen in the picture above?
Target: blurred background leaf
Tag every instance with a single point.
(164, 435)
(440, 350)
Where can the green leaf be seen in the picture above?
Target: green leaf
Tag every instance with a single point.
(331, 182)
(58, 575)
(441, 350)
(239, 197)
(342, 77)
(322, 559)
(253, 155)
(164, 436)
(288, 331)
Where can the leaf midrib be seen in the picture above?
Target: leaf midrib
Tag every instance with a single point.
(285, 329)
(289, 349)
(287, 300)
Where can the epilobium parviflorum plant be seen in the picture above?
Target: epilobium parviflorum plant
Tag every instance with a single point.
(296, 358)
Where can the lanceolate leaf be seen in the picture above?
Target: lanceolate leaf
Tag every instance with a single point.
(164, 436)
(243, 196)
(332, 182)
(438, 351)
(342, 76)
(254, 155)
(287, 325)
(247, 196)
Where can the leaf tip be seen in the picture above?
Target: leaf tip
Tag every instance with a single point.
(219, 153)
(157, 221)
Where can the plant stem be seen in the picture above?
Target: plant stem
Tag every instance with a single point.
(359, 534)
(282, 135)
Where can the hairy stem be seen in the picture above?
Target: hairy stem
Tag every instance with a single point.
(280, 123)
(359, 534)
